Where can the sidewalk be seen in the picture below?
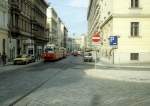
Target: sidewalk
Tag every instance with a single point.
(9, 66)
(138, 65)
(138, 75)
(120, 75)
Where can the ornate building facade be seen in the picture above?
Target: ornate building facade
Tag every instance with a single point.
(27, 26)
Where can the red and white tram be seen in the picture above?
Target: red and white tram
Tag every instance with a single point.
(63, 51)
(53, 53)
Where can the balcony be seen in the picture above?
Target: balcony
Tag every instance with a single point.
(15, 31)
(14, 6)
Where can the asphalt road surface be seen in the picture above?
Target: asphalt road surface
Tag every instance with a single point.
(66, 83)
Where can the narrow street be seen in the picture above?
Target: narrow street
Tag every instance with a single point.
(69, 82)
(74, 53)
(16, 83)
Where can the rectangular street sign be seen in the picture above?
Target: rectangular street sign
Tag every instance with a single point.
(113, 40)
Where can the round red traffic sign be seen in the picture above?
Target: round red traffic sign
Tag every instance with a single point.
(96, 37)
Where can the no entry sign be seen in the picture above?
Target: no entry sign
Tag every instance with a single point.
(96, 37)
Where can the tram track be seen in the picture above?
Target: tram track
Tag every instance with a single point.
(36, 88)
(19, 83)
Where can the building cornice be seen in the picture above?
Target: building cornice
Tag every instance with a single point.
(124, 16)
(131, 15)
(106, 21)
(89, 8)
(45, 3)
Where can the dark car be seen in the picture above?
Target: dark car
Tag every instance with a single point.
(75, 53)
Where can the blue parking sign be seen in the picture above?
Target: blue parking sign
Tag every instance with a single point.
(113, 40)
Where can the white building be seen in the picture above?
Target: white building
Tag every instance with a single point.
(52, 20)
(4, 47)
(128, 19)
(57, 29)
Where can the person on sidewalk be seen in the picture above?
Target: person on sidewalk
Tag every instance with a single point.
(4, 58)
(38, 56)
(0, 59)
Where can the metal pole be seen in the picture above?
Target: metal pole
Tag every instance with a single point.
(113, 57)
(95, 58)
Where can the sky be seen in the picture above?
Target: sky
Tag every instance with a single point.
(73, 13)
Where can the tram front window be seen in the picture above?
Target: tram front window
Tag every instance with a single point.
(49, 50)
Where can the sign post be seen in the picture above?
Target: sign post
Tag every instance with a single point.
(113, 42)
(96, 40)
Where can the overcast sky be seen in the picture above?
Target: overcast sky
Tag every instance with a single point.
(73, 13)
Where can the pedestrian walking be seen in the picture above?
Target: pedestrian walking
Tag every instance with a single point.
(39, 56)
(4, 58)
(0, 59)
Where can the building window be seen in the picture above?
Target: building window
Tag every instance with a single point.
(16, 20)
(134, 56)
(134, 3)
(134, 28)
(25, 25)
(22, 24)
(13, 20)
(4, 20)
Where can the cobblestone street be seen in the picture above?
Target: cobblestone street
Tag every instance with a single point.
(16, 81)
(70, 82)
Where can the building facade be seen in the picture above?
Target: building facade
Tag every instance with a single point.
(27, 26)
(64, 34)
(69, 44)
(128, 20)
(39, 25)
(3, 27)
(78, 43)
(57, 30)
(52, 19)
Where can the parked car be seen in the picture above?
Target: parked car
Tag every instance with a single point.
(87, 57)
(22, 59)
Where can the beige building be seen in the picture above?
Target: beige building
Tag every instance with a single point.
(127, 19)
(3, 27)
